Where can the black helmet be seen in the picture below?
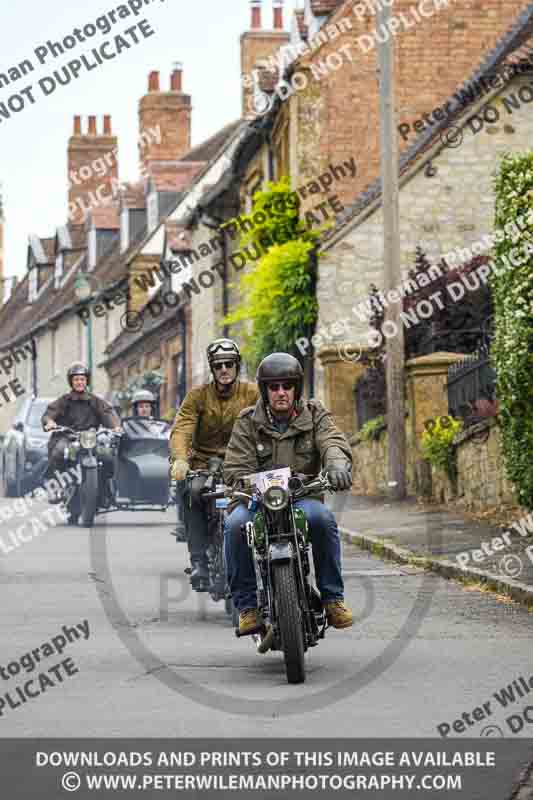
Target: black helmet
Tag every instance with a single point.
(78, 369)
(142, 396)
(280, 367)
(223, 350)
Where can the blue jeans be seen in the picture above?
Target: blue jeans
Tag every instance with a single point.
(326, 545)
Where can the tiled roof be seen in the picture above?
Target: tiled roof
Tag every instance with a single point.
(173, 176)
(208, 149)
(19, 319)
(512, 49)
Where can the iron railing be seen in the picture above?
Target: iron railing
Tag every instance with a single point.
(370, 395)
(471, 385)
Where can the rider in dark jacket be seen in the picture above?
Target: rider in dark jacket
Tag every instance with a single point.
(79, 410)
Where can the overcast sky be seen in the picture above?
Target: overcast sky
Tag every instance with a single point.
(204, 35)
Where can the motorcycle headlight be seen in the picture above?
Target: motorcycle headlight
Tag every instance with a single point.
(72, 451)
(88, 439)
(275, 498)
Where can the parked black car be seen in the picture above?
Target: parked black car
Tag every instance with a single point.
(25, 446)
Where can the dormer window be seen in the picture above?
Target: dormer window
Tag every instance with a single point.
(58, 272)
(153, 211)
(124, 230)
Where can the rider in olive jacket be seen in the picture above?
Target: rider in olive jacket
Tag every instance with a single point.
(201, 430)
(284, 430)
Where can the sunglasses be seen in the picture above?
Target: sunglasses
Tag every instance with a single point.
(285, 385)
(223, 365)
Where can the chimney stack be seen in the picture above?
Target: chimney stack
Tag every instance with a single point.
(278, 15)
(256, 14)
(258, 44)
(92, 167)
(164, 120)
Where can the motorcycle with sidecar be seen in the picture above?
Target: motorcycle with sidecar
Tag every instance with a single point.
(126, 471)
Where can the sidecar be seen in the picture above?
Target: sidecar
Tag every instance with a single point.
(142, 468)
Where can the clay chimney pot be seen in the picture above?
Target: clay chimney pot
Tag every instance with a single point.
(176, 77)
(256, 14)
(278, 15)
(153, 81)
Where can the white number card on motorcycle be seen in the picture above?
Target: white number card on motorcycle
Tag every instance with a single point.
(274, 477)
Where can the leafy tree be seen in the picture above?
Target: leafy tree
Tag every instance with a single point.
(278, 293)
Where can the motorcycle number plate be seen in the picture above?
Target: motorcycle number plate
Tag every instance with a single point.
(222, 502)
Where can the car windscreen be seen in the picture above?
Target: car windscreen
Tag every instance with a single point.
(37, 410)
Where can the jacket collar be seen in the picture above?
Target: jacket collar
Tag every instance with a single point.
(229, 395)
(303, 421)
(72, 395)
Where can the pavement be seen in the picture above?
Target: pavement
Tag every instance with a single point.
(162, 661)
(443, 540)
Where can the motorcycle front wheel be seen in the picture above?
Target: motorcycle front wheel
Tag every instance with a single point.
(289, 618)
(89, 497)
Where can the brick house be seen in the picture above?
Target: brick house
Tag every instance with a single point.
(446, 204)
(323, 110)
(165, 340)
(120, 235)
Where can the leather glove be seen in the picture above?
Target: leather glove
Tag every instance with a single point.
(339, 477)
(179, 470)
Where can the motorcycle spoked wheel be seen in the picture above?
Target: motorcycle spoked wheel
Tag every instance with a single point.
(289, 618)
(89, 497)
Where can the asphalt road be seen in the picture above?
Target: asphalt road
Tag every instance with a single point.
(422, 652)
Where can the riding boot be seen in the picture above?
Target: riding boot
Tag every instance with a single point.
(199, 575)
(180, 531)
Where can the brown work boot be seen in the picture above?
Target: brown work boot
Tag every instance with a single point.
(249, 621)
(338, 614)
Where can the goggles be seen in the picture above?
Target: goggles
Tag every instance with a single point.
(224, 347)
(218, 365)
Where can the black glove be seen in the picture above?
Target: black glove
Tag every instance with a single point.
(340, 478)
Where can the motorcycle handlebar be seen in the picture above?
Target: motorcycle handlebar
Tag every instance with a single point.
(65, 428)
(320, 484)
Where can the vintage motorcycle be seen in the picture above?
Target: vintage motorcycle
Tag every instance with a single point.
(120, 471)
(293, 615)
(216, 516)
(84, 448)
